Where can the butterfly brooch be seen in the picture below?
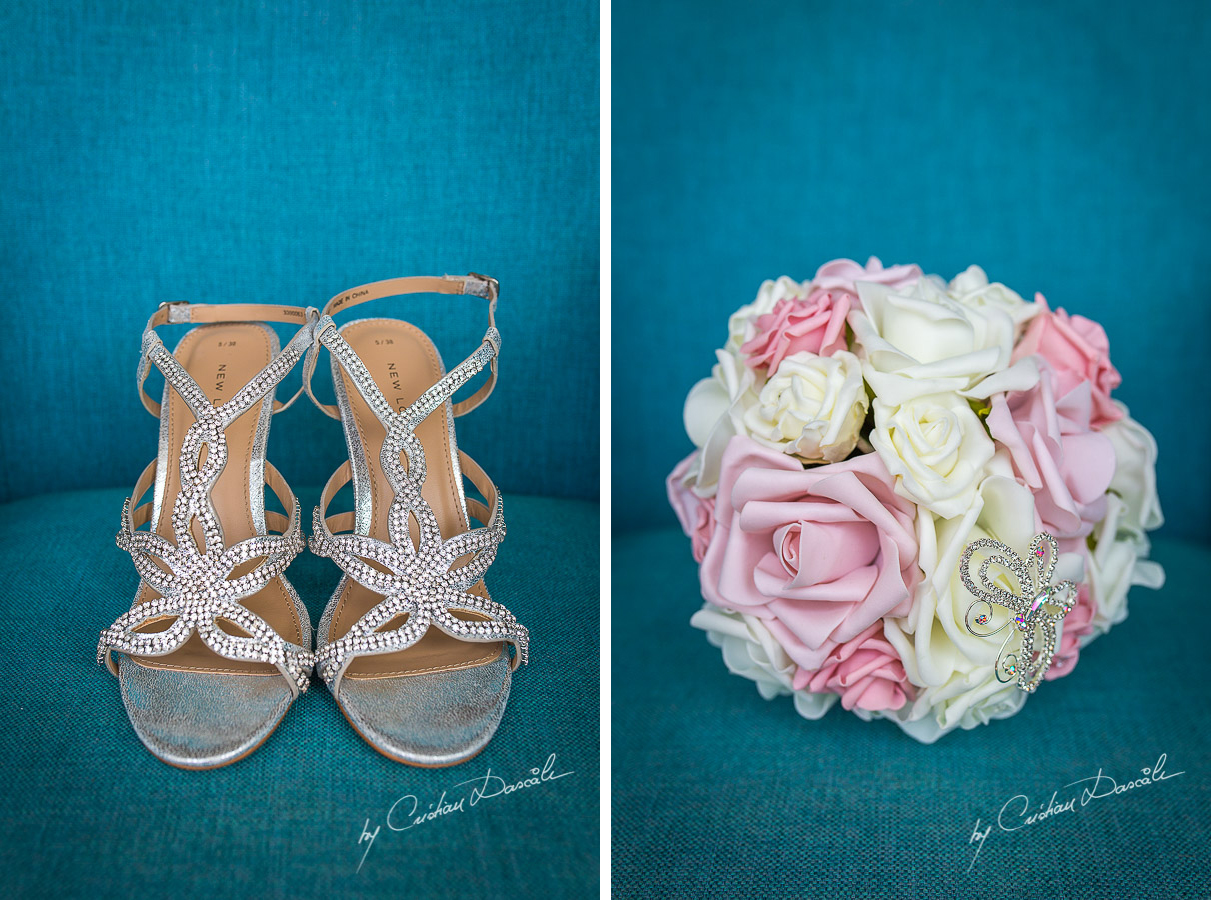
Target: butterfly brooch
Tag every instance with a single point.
(1023, 587)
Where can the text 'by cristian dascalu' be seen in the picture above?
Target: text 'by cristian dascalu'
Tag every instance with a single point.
(409, 811)
(1018, 812)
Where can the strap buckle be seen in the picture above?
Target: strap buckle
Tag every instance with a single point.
(177, 311)
(481, 286)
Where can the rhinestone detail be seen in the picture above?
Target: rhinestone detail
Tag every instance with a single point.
(424, 580)
(1036, 607)
(195, 582)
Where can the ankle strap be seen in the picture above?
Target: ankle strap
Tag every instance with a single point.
(184, 313)
(476, 285)
(179, 312)
(472, 284)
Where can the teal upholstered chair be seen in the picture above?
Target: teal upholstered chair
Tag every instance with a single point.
(1058, 145)
(236, 152)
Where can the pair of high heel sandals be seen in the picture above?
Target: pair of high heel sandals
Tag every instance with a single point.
(217, 644)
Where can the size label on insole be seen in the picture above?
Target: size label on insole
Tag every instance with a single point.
(220, 375)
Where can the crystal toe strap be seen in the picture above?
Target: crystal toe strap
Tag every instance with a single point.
(262, 644)
(428, 582)
(197, 589)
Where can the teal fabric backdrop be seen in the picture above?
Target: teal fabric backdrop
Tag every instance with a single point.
(721, 794)
(1061, 146)
(265, 152)
(241, 151)
(87, 812)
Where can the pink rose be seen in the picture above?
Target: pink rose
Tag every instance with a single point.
(696, 514)
(865, 672)
(1078, 351)
(1077, 624)
(819, 554)
(843, 274)
(1056, 453)
(816, 323)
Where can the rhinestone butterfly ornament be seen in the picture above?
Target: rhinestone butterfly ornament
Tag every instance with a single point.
(1035, 606)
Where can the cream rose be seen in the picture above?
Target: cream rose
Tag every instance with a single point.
(715, 407)
(966, 700)
(714, 413)
(1134, 474)
(811, 406)
(972, 289)
(937, 449)
(750, 651)
(954, 669)
(923, 341)
(1116, 564)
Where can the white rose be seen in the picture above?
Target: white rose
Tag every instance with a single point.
(953, 669)
(966, 700)
(972, 289)
(925, 342)
(741, 323)
(750, 651)
(812, 406)
(936, 447)
(1116, 564)
(1135, 475)
(714, 413)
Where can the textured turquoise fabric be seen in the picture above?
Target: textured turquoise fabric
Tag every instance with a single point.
(283, 152)
(87, 812)
(1060, 145)
(719, 793)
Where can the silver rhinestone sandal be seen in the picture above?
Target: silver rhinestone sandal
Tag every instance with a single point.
(422, 695)
(217, 644)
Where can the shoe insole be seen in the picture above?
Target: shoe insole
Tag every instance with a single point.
(404, 364)
(221, 359)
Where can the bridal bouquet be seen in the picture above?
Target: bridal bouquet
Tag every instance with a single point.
(865, 441)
